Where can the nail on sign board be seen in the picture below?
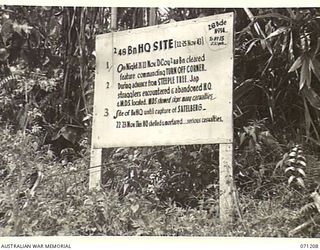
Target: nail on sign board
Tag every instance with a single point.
(165, 85)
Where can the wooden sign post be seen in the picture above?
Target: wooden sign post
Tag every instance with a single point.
(167, 85)
(226, 205)
(96, 153)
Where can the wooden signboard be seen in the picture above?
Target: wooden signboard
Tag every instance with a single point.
(166, 85)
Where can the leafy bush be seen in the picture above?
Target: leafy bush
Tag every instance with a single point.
(183, 174)
(257, 152)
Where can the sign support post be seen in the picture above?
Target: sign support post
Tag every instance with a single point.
(152, 16)
(114, 18)
(95, 168)
(96, 153)
(226, 183)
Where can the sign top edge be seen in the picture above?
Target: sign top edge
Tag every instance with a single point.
(167, 25)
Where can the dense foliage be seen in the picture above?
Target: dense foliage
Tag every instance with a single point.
(47, 62)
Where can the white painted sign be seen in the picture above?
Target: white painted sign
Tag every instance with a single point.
(165, 85)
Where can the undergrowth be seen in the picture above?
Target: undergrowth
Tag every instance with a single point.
(63, 205)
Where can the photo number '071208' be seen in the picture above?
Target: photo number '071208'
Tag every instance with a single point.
(309, 246)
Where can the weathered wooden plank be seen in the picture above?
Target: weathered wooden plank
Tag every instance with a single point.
(152, 16)
(226, 183)
(95, 168)
(114, 19)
